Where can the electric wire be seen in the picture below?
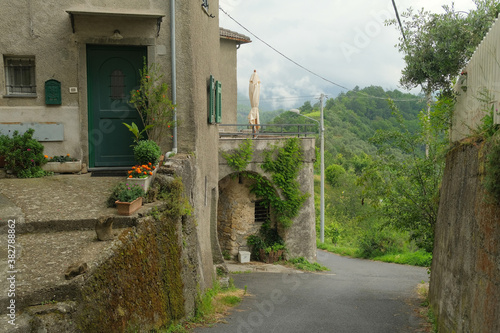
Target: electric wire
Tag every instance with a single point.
(308, 70)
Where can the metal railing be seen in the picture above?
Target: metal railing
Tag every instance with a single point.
(266, 130)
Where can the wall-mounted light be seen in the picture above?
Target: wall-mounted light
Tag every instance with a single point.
(116, 35)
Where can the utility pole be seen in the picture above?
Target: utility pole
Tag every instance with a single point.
(322, 152)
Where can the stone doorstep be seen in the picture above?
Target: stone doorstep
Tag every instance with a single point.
(43, 260)
(47, 226)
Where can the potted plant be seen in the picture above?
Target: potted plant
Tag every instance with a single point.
(127, 198)
(267, 246)
(142, 175)
(147, 152)
(63, 164)
(272, 253)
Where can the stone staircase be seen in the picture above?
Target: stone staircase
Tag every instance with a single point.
(52, 221)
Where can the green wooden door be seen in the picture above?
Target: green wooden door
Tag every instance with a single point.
(112, 72)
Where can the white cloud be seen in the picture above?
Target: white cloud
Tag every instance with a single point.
(345, 42)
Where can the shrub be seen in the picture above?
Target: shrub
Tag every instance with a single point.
(24, 155)
(4, 139)
(378, 242)
(333, 174)
(147, 151)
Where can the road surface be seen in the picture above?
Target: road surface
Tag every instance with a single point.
(355, 296)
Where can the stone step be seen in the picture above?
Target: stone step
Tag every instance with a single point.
(41, 259)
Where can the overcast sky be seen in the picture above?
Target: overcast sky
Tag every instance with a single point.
(343, 41)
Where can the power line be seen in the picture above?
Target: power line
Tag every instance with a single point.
(305, 68)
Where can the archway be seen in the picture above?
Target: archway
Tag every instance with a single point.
(239, 214)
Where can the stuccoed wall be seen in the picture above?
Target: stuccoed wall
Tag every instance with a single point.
(465, 275)
(44, 30)
(229, 81)
(300, 238)
(198, 38)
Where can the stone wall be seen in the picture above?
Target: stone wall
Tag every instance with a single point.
(465, 278)
(152, 275)
(236, 214)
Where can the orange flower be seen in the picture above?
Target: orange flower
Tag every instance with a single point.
(149, 163)
(46, 156)
(151, 173)
(130, 171)
(145, 173)
(130, 176)
(67, 155)
(138, 170)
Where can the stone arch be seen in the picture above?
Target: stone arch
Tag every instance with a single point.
(236, 214)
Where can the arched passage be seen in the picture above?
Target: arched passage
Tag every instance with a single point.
(239, 213)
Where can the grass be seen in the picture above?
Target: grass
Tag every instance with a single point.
(425, 311)
(211, 308)
(304, 265)
(418, 258)
(414, 258)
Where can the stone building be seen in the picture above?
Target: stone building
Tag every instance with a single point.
(67, 68)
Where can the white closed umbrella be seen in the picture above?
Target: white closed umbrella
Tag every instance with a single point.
(254, 94)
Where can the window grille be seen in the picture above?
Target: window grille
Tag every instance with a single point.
(117, 79)
(20, 75)
(261, 211)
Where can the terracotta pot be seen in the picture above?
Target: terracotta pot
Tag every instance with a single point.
(270, 257)
(128, 208)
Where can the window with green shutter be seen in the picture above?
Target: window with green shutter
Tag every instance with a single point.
(211, 100)
(218, 102)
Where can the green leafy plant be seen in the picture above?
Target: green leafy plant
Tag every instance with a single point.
(125, 192)
(268, 239)
(24, 155)
(152, 102)
(239, 160)
(284, 163)
(136, 133)
(147, 151)
(303, 264)
(4, 140)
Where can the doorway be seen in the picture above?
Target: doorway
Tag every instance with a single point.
(112, 73)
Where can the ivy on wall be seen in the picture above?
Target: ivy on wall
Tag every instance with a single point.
(283, 163)
(238, 161)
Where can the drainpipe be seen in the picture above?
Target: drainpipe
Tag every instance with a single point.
(174, 76)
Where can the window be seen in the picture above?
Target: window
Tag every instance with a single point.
(261, 211)
(117, 85)
(20, 76)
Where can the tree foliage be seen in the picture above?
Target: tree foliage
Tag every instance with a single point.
(437, 46)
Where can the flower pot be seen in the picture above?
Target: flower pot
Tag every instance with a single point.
(270, 257)
(128, 208)
(144, 182)
(63, 167)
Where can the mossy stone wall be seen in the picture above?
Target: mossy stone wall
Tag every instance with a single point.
(465, 276)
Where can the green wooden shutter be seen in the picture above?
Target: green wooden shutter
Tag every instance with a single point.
(211, 100)
(218, 102)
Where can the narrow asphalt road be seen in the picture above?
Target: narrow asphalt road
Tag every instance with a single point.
(355, 296)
